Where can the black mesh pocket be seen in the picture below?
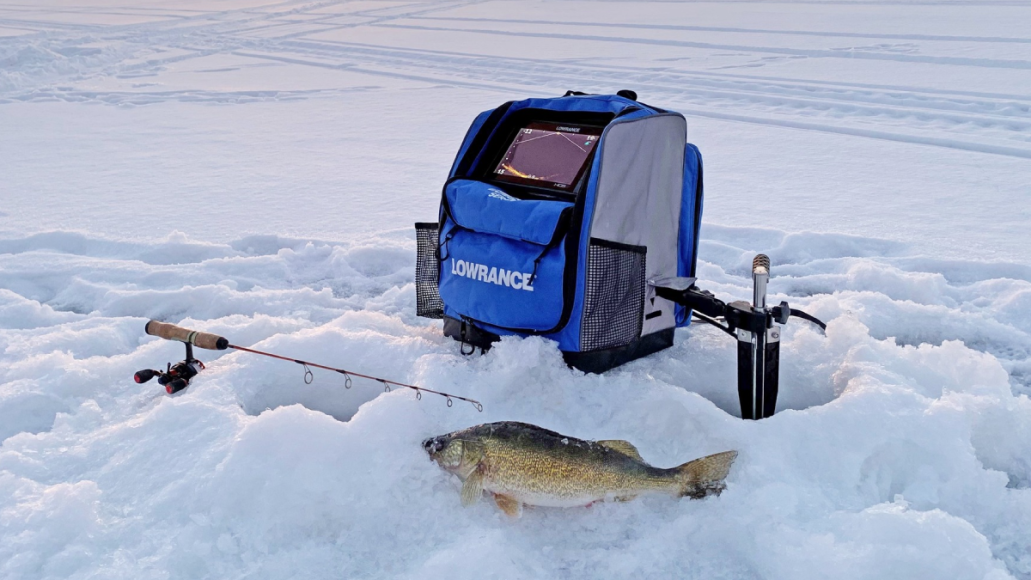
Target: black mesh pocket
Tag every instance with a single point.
(427, 271)
(614, 298)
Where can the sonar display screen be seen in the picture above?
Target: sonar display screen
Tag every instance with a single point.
(549, 155)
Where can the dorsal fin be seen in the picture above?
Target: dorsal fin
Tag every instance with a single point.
(624, 447)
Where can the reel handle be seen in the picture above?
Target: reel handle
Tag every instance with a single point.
(175, 385)
(198, 339)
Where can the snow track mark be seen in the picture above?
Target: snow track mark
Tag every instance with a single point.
(966, 120)
(983, 124)
(847, 53)
(685, 28)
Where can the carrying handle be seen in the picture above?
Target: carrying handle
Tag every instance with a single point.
(198, 339)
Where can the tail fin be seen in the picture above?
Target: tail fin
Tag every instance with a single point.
(705, 476)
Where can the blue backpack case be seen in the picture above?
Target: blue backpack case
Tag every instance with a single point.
(575, 255)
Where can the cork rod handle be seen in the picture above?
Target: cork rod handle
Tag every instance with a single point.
(198, 339)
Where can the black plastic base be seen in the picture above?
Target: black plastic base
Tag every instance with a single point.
(597, 361)
(468, 334)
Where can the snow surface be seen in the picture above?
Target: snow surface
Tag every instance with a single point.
(253, 167)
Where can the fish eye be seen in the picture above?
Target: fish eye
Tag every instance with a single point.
(434, 445)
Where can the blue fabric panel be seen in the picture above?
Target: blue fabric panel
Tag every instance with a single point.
(469, 136)
(488, 209)
(690, 223)
(486, 277)
(587, 103)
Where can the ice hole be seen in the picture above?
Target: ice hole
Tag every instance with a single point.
(326, 393)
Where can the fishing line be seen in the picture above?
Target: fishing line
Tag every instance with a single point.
(348, 374)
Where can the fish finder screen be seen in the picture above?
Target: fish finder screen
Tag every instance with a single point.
(551, 155)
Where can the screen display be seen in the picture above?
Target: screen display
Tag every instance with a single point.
(551, 155)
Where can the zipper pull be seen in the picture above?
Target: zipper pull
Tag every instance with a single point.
(444, 244)
(536, 263)
(461, 349)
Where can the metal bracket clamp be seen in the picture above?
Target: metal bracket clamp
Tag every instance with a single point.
(755, 326)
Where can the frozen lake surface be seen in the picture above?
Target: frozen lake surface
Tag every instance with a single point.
(253, 168)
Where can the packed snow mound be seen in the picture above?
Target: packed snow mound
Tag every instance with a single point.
(890, 457)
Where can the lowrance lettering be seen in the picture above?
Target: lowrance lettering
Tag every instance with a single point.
(491, 275)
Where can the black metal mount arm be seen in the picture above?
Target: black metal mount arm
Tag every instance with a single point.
(756, 328)
(740, 314)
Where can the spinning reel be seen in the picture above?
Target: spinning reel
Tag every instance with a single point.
(175, 377)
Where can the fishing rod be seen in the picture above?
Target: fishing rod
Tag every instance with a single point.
(177, 377)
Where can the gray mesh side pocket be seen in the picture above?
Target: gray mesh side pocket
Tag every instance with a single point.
(614, 297)
(427, 271)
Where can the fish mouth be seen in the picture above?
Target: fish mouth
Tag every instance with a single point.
(433, 445)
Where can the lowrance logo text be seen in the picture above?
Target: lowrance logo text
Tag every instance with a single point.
(491, 275)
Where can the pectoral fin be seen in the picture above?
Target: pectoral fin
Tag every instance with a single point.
(624, 447)
(512, 507)
(472, 489)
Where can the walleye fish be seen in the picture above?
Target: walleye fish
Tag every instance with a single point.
(524, 464)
